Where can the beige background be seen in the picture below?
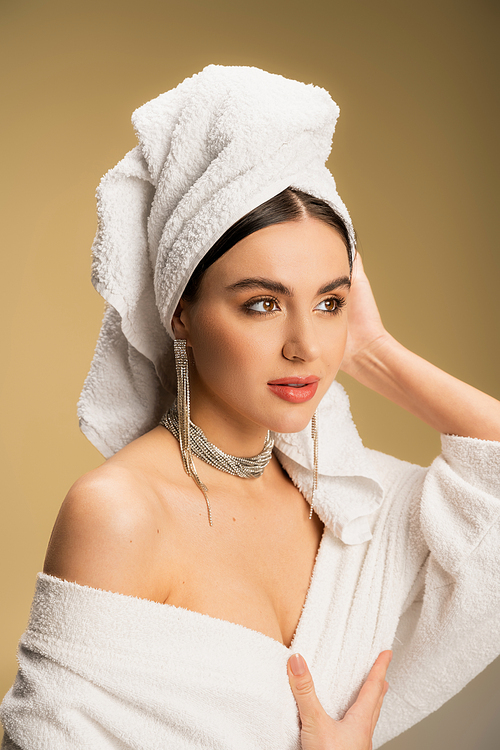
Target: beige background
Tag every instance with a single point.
(415, 158)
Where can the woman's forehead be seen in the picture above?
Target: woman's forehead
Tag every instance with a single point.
(291, 249)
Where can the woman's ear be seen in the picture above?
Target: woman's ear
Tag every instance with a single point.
(179, 327)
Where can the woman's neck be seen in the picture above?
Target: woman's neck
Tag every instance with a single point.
(224, 427)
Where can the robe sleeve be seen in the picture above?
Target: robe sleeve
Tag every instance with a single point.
(450, 627)
(50, 706)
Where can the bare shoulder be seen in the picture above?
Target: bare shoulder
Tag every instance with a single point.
(109, 532)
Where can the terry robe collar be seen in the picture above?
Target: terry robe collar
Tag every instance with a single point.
(349, 490)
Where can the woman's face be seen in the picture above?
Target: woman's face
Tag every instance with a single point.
(270, 312)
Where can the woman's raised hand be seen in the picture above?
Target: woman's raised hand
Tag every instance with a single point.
(375, 359)
(355, 731)
(365, 327)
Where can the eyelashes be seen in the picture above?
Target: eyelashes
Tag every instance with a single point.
(337, 303)
(270, 305)
(266, 302)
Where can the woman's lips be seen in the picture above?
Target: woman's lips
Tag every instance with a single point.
(295, 390)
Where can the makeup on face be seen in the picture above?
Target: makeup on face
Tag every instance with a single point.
(296, 390)
(268, 332)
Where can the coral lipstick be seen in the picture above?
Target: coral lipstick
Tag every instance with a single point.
(295, 390)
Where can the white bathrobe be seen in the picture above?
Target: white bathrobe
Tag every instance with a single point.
(409, 560)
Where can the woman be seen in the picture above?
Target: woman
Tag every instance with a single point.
(224, 231)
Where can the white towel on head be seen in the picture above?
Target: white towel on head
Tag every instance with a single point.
(212, 149)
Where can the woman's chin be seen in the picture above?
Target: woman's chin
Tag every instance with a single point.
(290, 425)
(293, 417)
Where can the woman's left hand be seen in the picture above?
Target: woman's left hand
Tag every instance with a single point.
(365, 327)
(375, 359)
(355, 731)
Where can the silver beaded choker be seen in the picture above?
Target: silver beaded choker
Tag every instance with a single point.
(237, 466)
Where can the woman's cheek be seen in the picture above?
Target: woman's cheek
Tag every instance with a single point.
(226, 354)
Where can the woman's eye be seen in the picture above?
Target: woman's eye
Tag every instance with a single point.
(329, 305)
(266, 305)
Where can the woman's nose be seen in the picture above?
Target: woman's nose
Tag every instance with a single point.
(301, 342)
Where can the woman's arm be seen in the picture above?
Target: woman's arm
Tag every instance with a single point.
(377, 360)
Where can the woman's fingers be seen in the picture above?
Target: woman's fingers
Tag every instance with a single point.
(357, 267)
(355, 731)
(379, 705)
(310, 709)
(369, 701)
(365, 327)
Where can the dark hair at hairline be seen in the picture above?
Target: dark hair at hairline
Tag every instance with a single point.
(289, 205)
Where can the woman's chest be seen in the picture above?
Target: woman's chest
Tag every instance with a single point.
(253, 571)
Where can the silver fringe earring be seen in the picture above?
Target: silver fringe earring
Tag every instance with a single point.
(192, 439)
(314, 435)
(183, 417)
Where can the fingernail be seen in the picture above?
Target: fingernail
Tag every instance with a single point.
(297, 665)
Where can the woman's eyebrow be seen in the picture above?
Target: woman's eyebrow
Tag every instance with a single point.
(253, 283)
(278, 288)
(335, 284)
